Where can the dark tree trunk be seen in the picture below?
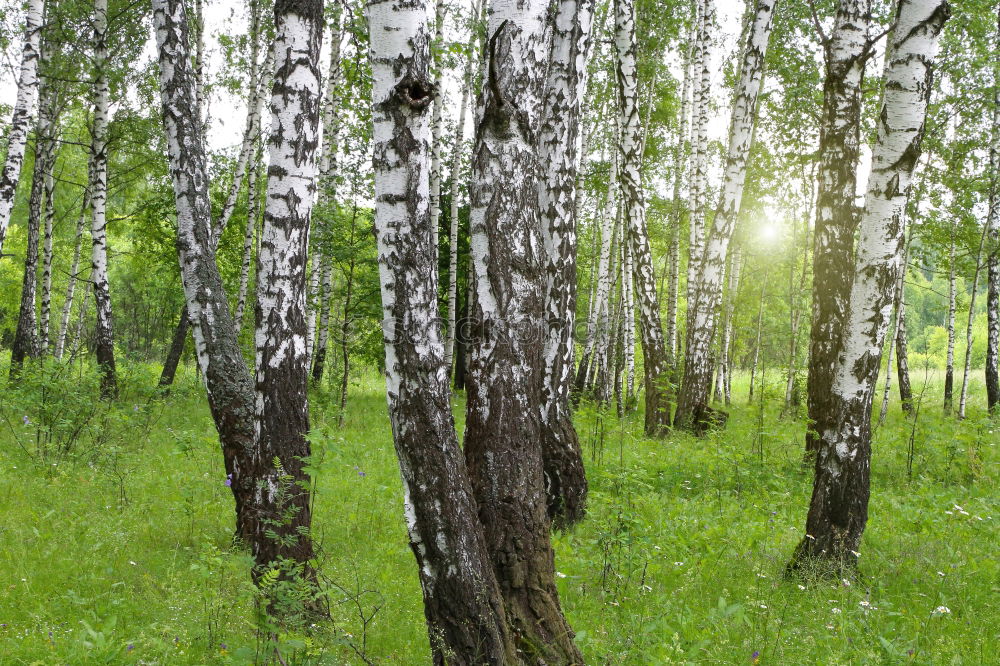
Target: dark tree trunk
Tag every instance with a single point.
(503, 423)
(833, 256)
(176, 350)
(902, 357)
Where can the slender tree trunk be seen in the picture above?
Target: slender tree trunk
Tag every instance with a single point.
(456, 169)
(176, 350)
(327, 201)
(993, 257)
(73, 273)
(654, 351)
(503, 423)
(757, 341)
(22, 118)
(833, 248)
(887, 390)
(345, 322)
(705, 295)
(559, 146)
(462, 601)
(26, 334)
(699, 143)
(104, 337)
(949, 376)
(45, 316)
(281, 448)
(838, 510)
(902, 356)
(628, 326)
(732, 289)
(79, 333)
(253, 215)
(228, 383)
(969, 326)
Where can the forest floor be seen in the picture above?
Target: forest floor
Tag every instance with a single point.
(115, 538)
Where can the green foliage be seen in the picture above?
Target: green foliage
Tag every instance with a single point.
(680, 559)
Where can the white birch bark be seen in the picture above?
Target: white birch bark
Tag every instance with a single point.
(969, 337)
(657, 416)
(45, 314)
(705, 293)
(992, 371)
(104, 333)
(24, 111)
(949, 379)
(559, 156)
(282, 340)
(839, 507)
(464, 613)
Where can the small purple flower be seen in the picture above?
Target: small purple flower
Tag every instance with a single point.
(26, 420)
(229, 482)
(129, 647)
(359, 470)
(755, 657)
(222, 646)
(135, 408)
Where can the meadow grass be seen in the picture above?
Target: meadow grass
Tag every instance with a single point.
(118, 551)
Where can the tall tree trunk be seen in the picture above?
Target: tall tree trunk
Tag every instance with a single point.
(228, 383)
(462, 601)
(705, 295)
(104, 337)
(345, 322)
(759, 337)
(887, 388)
(22, 118)
(73, 273)
(654, 351)
(503, 423)
(559, 145)
(838, 510)
(697, 191)
(25, 343)
(993, 258)
(833, 248)
(628, 325)
(795, 317)
(949, 376)
(327, 201)
(249, 231)
(282, 448)
(732, 289)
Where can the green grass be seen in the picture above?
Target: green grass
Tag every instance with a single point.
(125, 541)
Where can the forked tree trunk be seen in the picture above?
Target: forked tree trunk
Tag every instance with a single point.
(833, 249)
(227, 379)
(838, 510)
(503, 424)
(462, 602)
(558, 149)
(705, 295)
(104, 336)
(281, 446)
(655, 360)
(949, 373)
(23, 115)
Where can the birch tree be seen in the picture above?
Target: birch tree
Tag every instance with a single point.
(503, 425)
(228, 383)
(25, 107)
(104, 337)
(655, 360)
(993, 258)
(699, 139)
(74, 271)
(838, 510)
(833, 256)
(706, 294)
(282, 359)
(558, 151)
(462, 601)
